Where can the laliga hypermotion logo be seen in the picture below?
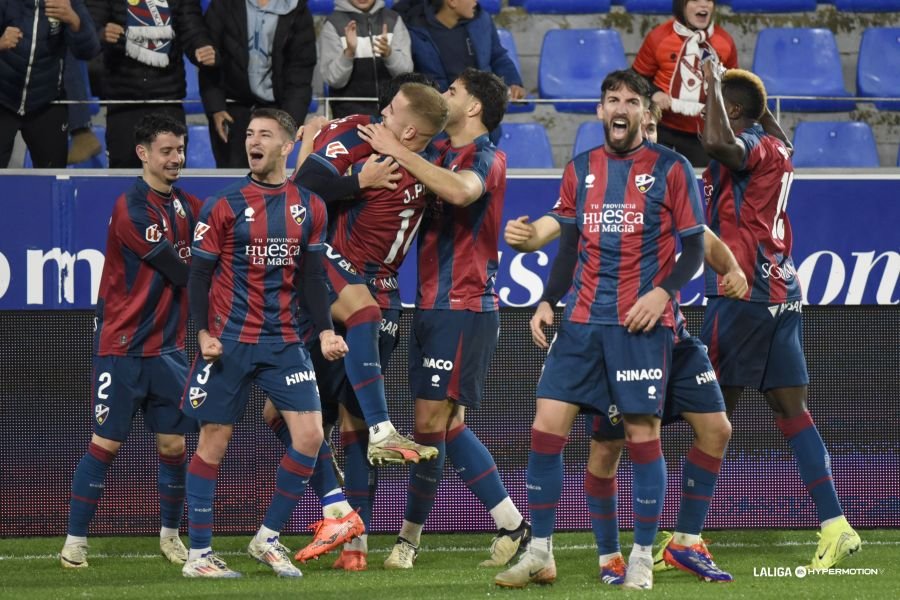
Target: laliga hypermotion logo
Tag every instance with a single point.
(200, 230)
(644, 182)
(298, 213)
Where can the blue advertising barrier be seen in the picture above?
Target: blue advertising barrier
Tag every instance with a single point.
(53, 236)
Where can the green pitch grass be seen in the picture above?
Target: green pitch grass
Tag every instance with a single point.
(125, 568)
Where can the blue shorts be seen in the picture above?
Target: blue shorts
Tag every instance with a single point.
(449, 354)
(755, 345)
(218, 392)
(594, 366)
(331, 376)
(124, 384)
(692, 388)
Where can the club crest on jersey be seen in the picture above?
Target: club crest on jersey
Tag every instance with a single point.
(335, 149)
(197, 396)
(200, 230)
(179, 209)
(298, 213)
(644, 182)
(101, 411)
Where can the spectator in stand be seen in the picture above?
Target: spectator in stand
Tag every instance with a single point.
(362, 45)
(84, 143)
(142, 45)
(33, 41)
(267, 56)
(670, 59)
(439, 29)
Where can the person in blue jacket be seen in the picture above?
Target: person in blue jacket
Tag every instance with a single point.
(34, 37)
(450, 35)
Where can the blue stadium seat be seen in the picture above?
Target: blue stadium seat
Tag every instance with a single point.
(877, 74)
(834, 144)
(321, 7)
(772, 6)
(509, 42)
(867, 5)
(192, 104)
(100, 161)
(801, 62)
(656, 7)
(526, 146)
(516, 2)
(574, 63)
(199, 154)
(491, 6)
(567, 7)
(590, 135)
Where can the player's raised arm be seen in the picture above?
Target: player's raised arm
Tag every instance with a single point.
(719, 256)
(718, 139)
(457, 188)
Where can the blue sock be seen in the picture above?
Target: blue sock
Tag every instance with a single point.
(363, 363)
(87, 487)
(602, 506)
(281, 431)
(475, 465)
(424, 478)
(172, 473)
(544, 481)
(698, 482)
(323, 479)
(649, 488)
(359, 476)
(813, 463)
(293, 474)
(201, 488)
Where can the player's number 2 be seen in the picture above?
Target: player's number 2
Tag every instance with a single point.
(778, 225)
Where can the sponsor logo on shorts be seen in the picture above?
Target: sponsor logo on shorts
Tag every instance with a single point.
(706, 377)
(437, 363)
(795, 306)
(651, 392)
(639, 375)
(389, 327)
(101, 412)
(435, 380)
(197, 396)
(300, 377)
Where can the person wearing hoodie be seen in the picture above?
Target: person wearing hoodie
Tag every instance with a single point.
(362, 45)
(33, 41)
(440, 28)
(670, 60)
(265, 58)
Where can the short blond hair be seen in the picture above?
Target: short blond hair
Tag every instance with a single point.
(747, 89)
(428, 107)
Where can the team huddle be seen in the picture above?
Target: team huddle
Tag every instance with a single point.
(292, 283)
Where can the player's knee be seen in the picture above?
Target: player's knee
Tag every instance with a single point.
(111, 446)
(170, 445)
(431, 416)
(603, 460)
(310, 437)
(715, 434)
(270, 413)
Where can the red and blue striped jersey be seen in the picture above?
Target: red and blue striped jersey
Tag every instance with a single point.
(140, 312)
(628, 210)
(374, 231)
(747, 208)
(258, 234)
(457, 246)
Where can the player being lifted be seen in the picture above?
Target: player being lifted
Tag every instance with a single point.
(456, 323)
(139, 360)
(757, 340)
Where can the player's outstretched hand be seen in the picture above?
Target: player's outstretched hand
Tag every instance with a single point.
(543, 316)
(518, 231)
(381, 139)
(734, 284)
(645, 313)
(210, 347)
(333, 346)
(377, 173)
